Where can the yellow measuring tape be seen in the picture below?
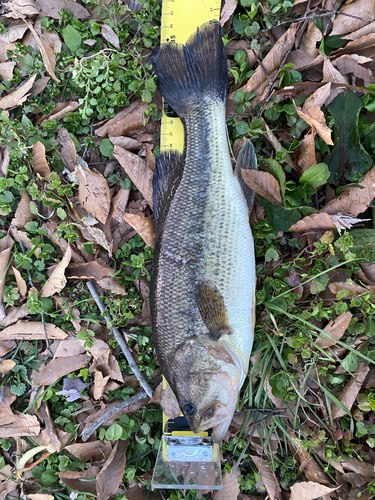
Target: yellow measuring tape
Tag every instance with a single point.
(180, 19)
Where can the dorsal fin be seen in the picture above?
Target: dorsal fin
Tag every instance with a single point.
(167, 177)
(246, 159)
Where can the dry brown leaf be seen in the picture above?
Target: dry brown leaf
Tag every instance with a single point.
(364, 46)
(268, 477)
(23, 214)
(39, 86)
(20, 236)
(46, 50)
(263, 183)
(227, 11)
(57, 281)
(126, 142)
(308, 464)
(88, 270)
(351, 390)
(273, 60)
(94, 451)
(104, 130)
(48, 423)
(98, 236)
(119, 204)
(364, 9)
(110, 36)
(18, 96)
(6, 70)
(31, 330)
(83, 481)
(56, 368)
(331, 74)
(276, 144)
(68, 308)
(314, 222)
(169, 403)
(307, 156)
(6, 346)
(114, 285)
(15, 424)
(40, 496)
(4, 161)
(6, 245)
(137, 170)
(67, 347)
(348, 63)
(309, 491)
(231, 488)
(139, 492)
(13, 315)
(366, 30)
(61, 110)
(40, 165)
(336, 328)
(110, 477)
(310, 39)
(15, 30)
(318, 98)
(315, 118)
(67, 151)
(51, 9)
(352, 288)
(6, 365)
(93, 193)
(21, 283)
(19, 9)
(144, 226)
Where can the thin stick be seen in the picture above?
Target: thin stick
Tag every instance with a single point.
(108, 414)
(120, 340)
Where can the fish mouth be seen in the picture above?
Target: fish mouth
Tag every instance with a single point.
(219, 422)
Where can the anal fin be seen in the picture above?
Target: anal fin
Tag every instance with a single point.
(246, 159)
(213, 311)
(167, 177)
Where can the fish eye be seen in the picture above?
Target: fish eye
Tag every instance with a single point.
(188, 408)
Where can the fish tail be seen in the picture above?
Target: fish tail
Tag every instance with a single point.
(193, 72)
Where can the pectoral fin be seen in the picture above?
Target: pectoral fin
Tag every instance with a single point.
(246, 159)
(212, 308)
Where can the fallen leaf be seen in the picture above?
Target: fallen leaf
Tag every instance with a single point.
(144, 226)
(48, 423)
(315, 118)
(21, 236)
(68, 307)
(18, 96)
(57, 281)
(307, 156)
(6, 365)
(354, 200)
(13, 315)
(314, 222)
(94, 451)
(231, 488)
(61, 110)
(48, 56)
(263, 183)
(352, 288)
(110, 477)
(140, 174)
(72, 388)
(40, 496)
(268, 477)
(318, 98)
(40, 165)
(6, 70)
(310, 39)
(6, 245)
(67, 347)
(352, 21)
(119, 204)
(336, 328)
(21, 283)
(309, 491)
(4, 161)
(276, 144)
(169, 403)
(366, 30)
(56, 368)
(93, 193)
(51, 9)
(129, 118)
(272, 61)
(15, 424)
(139, 492)
(364, 46)
(350, 391)
(6, 346)
(83, 481)
(126, 142)
(39, 86)
(67, 151)
(110, 36)
(114, 285)
(331, 74)
(15, 30)
(23, 214)
(349, 63)
(88, 270)
(227, 10)
(31, 330)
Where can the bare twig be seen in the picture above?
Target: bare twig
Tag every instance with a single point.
(108, 414)
(120, 340)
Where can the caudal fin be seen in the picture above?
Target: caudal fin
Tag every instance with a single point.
(190, 73)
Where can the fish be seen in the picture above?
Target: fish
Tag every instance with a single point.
(202, 290)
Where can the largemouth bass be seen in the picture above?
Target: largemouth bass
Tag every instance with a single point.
(203, 279)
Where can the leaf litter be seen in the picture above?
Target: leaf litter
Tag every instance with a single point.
(82, 215)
